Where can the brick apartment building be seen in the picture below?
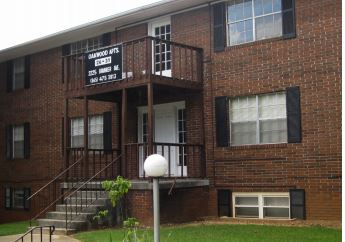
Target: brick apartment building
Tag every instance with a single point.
(243, 98)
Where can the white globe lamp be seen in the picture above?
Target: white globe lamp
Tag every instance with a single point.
(155, 165)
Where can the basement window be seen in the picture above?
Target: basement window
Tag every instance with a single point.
(16, 198)
(261, 205)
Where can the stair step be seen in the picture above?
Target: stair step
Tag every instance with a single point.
(59, 223)
(83, 200)
(70, 207)
(62, 215)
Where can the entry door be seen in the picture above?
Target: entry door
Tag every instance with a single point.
(167, 130)
(161, 52)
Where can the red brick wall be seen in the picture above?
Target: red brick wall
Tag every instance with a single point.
(182, 205)
(42, 106)
(311, 61)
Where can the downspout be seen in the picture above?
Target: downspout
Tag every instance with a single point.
(212, 94)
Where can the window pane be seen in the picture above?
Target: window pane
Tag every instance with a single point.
(258, 10)
(246, 200)
(247, 212)
(277, 5)
(276, 212)
(243, 109)
(241, 32)
(272, 106)
(18, 73)
(18, 133)
(96, 124)
(247, 9)
(268, 26)
(273, 131)
(243, 133)
(18, 149)
(267, 6)
(96, 141)
(276, 201)
(18, 198)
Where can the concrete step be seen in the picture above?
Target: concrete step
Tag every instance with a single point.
(90, 209)
(62, 216)
(85, 201)
(59, 223)
(93, 194)
(88, 186)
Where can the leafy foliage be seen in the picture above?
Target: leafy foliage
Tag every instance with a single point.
(116, 189)
(131, 226)
(101, 214)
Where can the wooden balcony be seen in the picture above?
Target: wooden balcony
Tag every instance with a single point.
(145, 60)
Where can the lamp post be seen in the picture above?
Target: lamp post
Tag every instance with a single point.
(155, 166)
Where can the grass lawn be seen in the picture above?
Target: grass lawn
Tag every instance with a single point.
(226, 233)
(14, 228)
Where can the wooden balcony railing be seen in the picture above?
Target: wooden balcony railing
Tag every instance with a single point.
(97, 160)
(184, 160)
(143, 58)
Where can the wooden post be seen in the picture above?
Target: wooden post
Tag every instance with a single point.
(150, 117)
(66, 136)
(86, 137)
(123, 132)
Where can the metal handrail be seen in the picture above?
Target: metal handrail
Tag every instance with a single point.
(55, 179)
(83, 185)
(51, 231)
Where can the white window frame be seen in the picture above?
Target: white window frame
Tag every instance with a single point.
(253, 18)
(89, 128)
(14, 140)
(258, 119)
(261, 206)
(74, 50)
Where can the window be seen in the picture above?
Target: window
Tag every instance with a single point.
(95, 132)
(162, 50)
(18, 73)
(17, 198)
(77, 132)
(18, 142)
(251, 20)
(181, 120)
(261, 205)
(85, 45)
(258, 119)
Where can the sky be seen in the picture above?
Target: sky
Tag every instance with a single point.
(25, 20)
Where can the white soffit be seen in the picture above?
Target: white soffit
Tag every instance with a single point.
(98, 27)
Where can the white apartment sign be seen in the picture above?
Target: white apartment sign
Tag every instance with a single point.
(103, 65)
